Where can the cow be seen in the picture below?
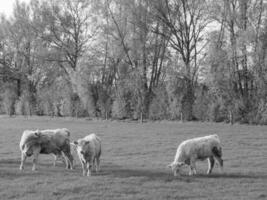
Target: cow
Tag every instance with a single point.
(201, 148)
(89, 152)
(60, 158)
(55, 141)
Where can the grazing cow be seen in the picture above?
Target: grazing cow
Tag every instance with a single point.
(201, 148)
(89, 151)
(45, 142)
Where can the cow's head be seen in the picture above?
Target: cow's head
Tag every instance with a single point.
(31, 144)
(81, 146)
(175, 167)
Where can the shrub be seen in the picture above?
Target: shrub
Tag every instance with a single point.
(119, 110)
(159, 106)
(217, 112)
(22, 105)
(9, 98)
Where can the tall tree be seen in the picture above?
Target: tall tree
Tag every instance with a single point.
(142, 52)
(21, 54)
(71, 27)
(185, 22)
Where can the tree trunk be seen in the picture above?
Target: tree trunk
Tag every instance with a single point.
(231, 117)
(188, 101)
(243, 10)
(81, 88)
(18, 87)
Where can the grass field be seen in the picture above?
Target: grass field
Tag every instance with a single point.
(134, 162)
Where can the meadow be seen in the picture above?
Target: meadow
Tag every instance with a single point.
(134, 160)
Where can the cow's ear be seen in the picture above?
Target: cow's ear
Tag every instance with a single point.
(37, 133)
(75, 143)
(169, 165)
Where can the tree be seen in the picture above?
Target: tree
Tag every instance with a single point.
(185, 22)
(20, 54)
(142, 52)
(240, 26)
(70, 26)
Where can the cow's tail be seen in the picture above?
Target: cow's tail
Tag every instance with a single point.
(68, 156)
(217, 151)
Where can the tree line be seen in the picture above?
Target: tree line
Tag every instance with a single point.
(136, 59)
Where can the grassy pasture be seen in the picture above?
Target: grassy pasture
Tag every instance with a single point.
(134, 162)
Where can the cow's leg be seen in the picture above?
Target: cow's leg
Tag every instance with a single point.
(192, 170)
(55, 160)
(192, 167)
(97, 164)
(35, 159)
(65, 159)
(58, 157)
(84, 168)
(94, 164)
(89, 167)
(23, 159)
(175, 172)
(220, 161)
(68, 159)
(211, 164)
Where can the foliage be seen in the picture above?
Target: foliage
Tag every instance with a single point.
(159, 107)
(180, 60)
(9, 98)
(23, 104)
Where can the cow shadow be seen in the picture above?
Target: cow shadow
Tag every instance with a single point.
(233, 175)
(9, 168)
(167, 176)
(118, 171)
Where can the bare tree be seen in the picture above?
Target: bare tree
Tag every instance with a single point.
(185, 22)
(70, 27)
(141, 50)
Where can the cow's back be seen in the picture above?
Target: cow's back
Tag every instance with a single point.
(60, 136)
(57, 139)
(200, 147)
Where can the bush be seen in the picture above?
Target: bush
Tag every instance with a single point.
(104, 103)
(217, 112)
(119, 109)
(159, 106)
(72, 106)
(261, 114)
(174, 108)
(22, 105)
(9, 98)
(201, 104)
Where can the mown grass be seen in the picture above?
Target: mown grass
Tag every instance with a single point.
(134, 162)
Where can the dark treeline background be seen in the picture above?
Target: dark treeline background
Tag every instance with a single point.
(136, 59)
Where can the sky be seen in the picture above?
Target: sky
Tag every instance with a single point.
(6, 6)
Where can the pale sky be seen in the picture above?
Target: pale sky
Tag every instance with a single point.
(6, 6)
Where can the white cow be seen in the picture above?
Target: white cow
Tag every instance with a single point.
(59, 157)
(45, 142)
(89, 151)
(201, 148)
